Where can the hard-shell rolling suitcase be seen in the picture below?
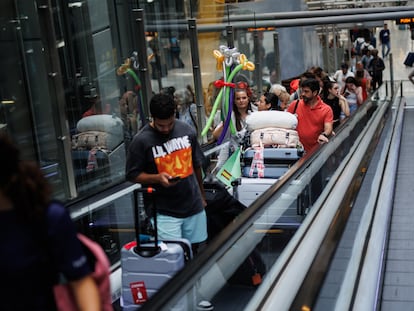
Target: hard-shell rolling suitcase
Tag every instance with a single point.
(147, 265)
(409, 60)
(275, 161)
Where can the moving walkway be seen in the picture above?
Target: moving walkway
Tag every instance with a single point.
(302, 264)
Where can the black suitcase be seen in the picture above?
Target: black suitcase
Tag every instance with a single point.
(409, 60)
(221, 210)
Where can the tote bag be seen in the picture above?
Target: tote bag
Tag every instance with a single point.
(65, 300)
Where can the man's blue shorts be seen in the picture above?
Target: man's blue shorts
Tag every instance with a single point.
(193, 228)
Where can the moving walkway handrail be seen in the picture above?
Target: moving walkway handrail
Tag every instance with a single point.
(376, 231)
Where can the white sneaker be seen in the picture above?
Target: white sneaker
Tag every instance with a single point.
(205, 305)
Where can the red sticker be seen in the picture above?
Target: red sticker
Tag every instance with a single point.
(130, 245)
(256, 279)
(139, 292)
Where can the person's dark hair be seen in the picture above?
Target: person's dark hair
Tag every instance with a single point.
(162, 106)
(359, 74)
(351, 80)
(307, 75)
(327, 85)
(313, 84)
(169, 90)
(23, 183)
(272, 99)
(318, 72)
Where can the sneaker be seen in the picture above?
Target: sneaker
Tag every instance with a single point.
(205, 305)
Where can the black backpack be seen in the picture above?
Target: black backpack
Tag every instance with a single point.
(222, 208)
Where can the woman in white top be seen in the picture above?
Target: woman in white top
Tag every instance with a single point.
(241, 109)
(353, 94)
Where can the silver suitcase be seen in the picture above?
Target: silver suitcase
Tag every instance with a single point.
(147, 266)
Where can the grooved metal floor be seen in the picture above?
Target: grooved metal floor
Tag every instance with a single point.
(398, 286)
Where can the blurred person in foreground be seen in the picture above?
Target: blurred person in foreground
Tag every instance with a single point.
(38, 240)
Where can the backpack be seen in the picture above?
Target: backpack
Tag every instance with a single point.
(221, 210)
(65, 301)
(358, 47)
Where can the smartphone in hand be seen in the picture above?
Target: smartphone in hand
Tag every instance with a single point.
(174, 179)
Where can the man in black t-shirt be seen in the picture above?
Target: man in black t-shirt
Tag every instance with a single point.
(165, 154)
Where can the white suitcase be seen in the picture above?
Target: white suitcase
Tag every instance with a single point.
(276, 161)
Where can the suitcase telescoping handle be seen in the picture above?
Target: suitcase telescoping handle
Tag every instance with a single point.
(146, 250)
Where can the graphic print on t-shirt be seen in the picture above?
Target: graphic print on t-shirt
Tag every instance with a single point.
(174, 157)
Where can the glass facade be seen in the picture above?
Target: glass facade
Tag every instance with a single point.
(76, 79)
(78, 76)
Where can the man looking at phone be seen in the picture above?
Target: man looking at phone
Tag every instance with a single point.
(315, 118)
(165, 154)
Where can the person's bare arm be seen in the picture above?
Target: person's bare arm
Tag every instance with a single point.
(327, 132)
(358, 92)
(343, 103)
(328, 128)
(217, 131)
(86, 294)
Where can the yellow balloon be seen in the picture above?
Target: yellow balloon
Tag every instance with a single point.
(242, 58)
(249, 66)
(123, 68)
(219, 58)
